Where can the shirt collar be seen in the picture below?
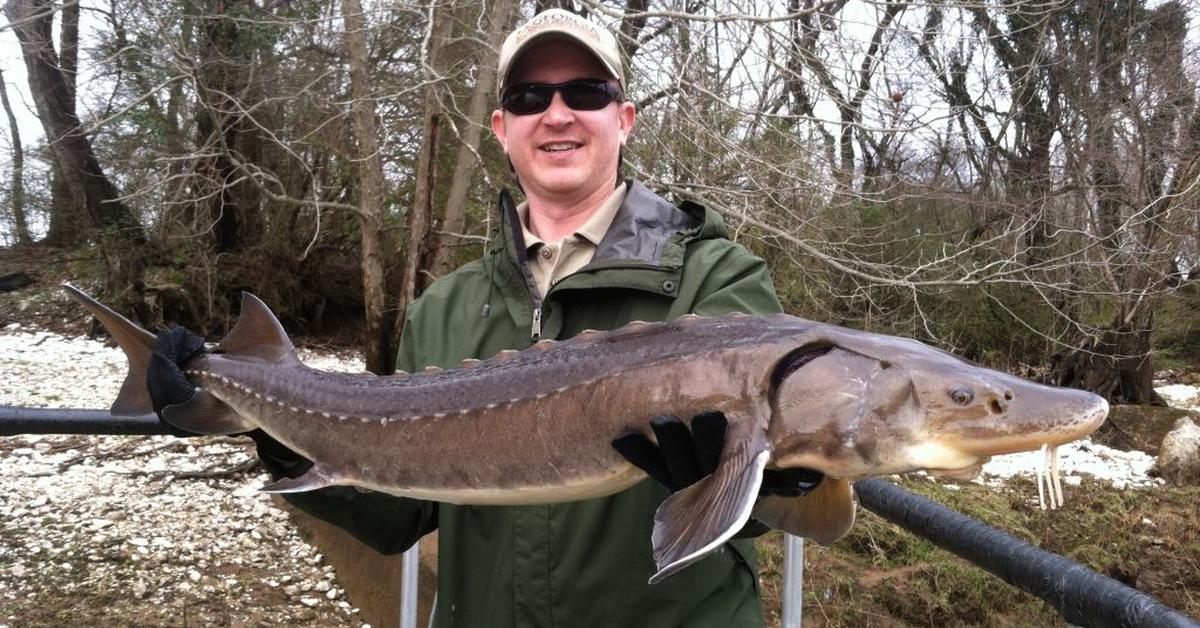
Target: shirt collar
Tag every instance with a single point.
(592, 230)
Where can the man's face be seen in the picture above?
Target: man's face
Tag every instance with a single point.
(562, 154)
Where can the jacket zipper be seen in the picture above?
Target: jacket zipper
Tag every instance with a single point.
(536, 331)
(508, 209)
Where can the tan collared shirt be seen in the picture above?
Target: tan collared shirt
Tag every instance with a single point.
(551, 261)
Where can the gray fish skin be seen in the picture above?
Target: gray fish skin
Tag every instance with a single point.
(535, 426)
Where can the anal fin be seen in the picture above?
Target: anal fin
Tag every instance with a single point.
(701, 517)
(823, 515)
(316, 477)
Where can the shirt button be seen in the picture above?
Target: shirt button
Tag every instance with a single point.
(547, 253)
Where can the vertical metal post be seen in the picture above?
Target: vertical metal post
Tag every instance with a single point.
(793, 581)
(409, 572)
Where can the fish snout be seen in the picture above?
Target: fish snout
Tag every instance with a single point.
(1023, 417)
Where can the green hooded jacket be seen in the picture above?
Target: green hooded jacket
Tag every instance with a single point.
(581, 563)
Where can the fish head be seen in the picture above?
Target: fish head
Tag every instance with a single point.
(893, 405)
(974, 411)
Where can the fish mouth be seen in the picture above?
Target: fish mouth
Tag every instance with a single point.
(969, 472)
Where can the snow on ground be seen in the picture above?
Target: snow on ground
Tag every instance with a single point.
(1122, 469)
(115, 520)
(1181, 396)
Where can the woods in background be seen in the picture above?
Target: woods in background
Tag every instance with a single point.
(1013, 180)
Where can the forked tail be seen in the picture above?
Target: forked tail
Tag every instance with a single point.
(156, 381)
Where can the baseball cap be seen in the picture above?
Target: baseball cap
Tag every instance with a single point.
(558, 23)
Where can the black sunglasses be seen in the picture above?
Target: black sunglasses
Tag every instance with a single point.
(581, 95)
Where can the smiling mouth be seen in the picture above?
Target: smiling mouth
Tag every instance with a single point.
(560, 147)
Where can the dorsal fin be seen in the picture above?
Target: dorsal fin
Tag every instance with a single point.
(432, 368)
(468, 363)
(258, 334)
(507, 354)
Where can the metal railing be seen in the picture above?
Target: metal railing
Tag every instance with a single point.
(1082, 596)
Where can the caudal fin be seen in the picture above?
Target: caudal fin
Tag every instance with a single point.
(136, 342)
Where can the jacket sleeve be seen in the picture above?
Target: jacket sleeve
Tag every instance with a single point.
(737, 281)
(387, 523)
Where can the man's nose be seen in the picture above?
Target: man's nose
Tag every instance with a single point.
(558, 112)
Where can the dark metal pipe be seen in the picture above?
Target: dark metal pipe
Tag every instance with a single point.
(15, 421)
(1082, 596)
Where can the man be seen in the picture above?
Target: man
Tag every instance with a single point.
(584, 251)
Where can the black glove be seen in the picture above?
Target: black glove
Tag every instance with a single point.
(165, 380)
(277, 459)
(685, 456)
(168, 385)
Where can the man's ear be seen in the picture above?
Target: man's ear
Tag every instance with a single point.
(498, 129)
(626, 116)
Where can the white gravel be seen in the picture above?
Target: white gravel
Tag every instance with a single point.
(102, 530)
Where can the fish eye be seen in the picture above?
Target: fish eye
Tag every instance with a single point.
(961, 395)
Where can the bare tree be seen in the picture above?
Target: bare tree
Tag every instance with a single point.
(53, 95)
(950, 171)
(16, 197)
(377, 346)
(466, 161)
(419, 218)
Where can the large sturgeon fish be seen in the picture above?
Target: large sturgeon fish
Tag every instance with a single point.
(535, 426)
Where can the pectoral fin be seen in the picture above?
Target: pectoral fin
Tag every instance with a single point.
(824, 515)
(699, 518)
(205, 414)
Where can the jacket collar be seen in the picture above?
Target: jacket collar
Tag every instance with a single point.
(645, 231)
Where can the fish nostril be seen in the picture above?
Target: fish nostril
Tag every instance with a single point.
(998, 407)
(1008, 395)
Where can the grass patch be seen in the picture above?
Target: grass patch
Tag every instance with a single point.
(881, 575)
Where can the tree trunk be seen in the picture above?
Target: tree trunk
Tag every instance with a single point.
(454, 218)
(121, 235)
(1116, 365)
(68, 47)
(68, 225)
(426, 171)
(377, 345)
(221, 127)
(17, 194)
